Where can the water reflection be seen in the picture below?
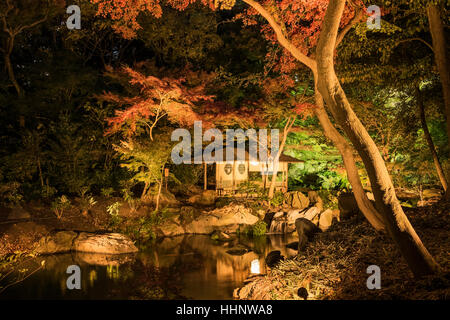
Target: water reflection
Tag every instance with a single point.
(193, 267)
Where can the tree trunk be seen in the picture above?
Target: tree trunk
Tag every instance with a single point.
(440, 55)
(364, 204)
(286, 130)
(417, 256)
(430, 143)
(12, 77)
(346, 151)
(158, 195)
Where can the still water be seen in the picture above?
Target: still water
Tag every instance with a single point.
(185, 267)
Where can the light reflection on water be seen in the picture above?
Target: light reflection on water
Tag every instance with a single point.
(193, 267)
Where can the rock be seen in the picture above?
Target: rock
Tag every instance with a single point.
(59, 242)
(311, 213)
(237, 251)
(293, 215)
(273, 258)
(18, 213)
(292, 245)
(299, 200)
(337, 214)
(347, 205)
(431, 193)
(305, 230)
(187, 214)
(108, 243)
(404, 194)
(166, 199)
(278, 214)
(170, 229)
(206, 198)
(261, 214)
(221, 236)
(315, 199)
(100, 259)
(226, 219)
(326, 219)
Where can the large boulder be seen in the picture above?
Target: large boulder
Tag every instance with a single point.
(298, 200)
(166, 199)
(101, 259)
(326, 219)
(187, 214)
(226, 219)
(347, 205)
(315, 199)
(170, 229)
(59, 242)
(293, 215)
(206, 198)
(431, 193)
(108, 243)
(311, 214)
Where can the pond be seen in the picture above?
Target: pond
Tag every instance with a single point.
(185, 267)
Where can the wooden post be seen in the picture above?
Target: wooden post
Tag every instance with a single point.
(166, 175)
(205, 178)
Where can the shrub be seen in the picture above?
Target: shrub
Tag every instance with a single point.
(107, 192)
(59, 205)
(277, 199)
(113, 211)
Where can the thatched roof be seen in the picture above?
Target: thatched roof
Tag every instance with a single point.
(283, 157)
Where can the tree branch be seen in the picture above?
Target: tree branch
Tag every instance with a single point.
(310, 63)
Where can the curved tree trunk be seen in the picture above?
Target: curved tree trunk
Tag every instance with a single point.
(441, 57)
(9, 68)
(430, 143)
(346, 151)
(287, 129)
(417, 256)
(331, 133)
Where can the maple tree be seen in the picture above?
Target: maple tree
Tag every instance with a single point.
(138, 115)
(157, 98)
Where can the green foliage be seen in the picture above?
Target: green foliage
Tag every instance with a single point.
(107, 192)
(59, 205)
(185, 174)
(259, 229)
(256, 230)
(277, 199)
(251, 189)
(10, 194)
(87, 201)
(144, 228)
(145, 160)
(320, 161)
(113, 211)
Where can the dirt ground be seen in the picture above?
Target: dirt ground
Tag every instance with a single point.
(334, 265)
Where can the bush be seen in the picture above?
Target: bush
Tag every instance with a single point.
(59, 205)
(256, 230)
(277, 199)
